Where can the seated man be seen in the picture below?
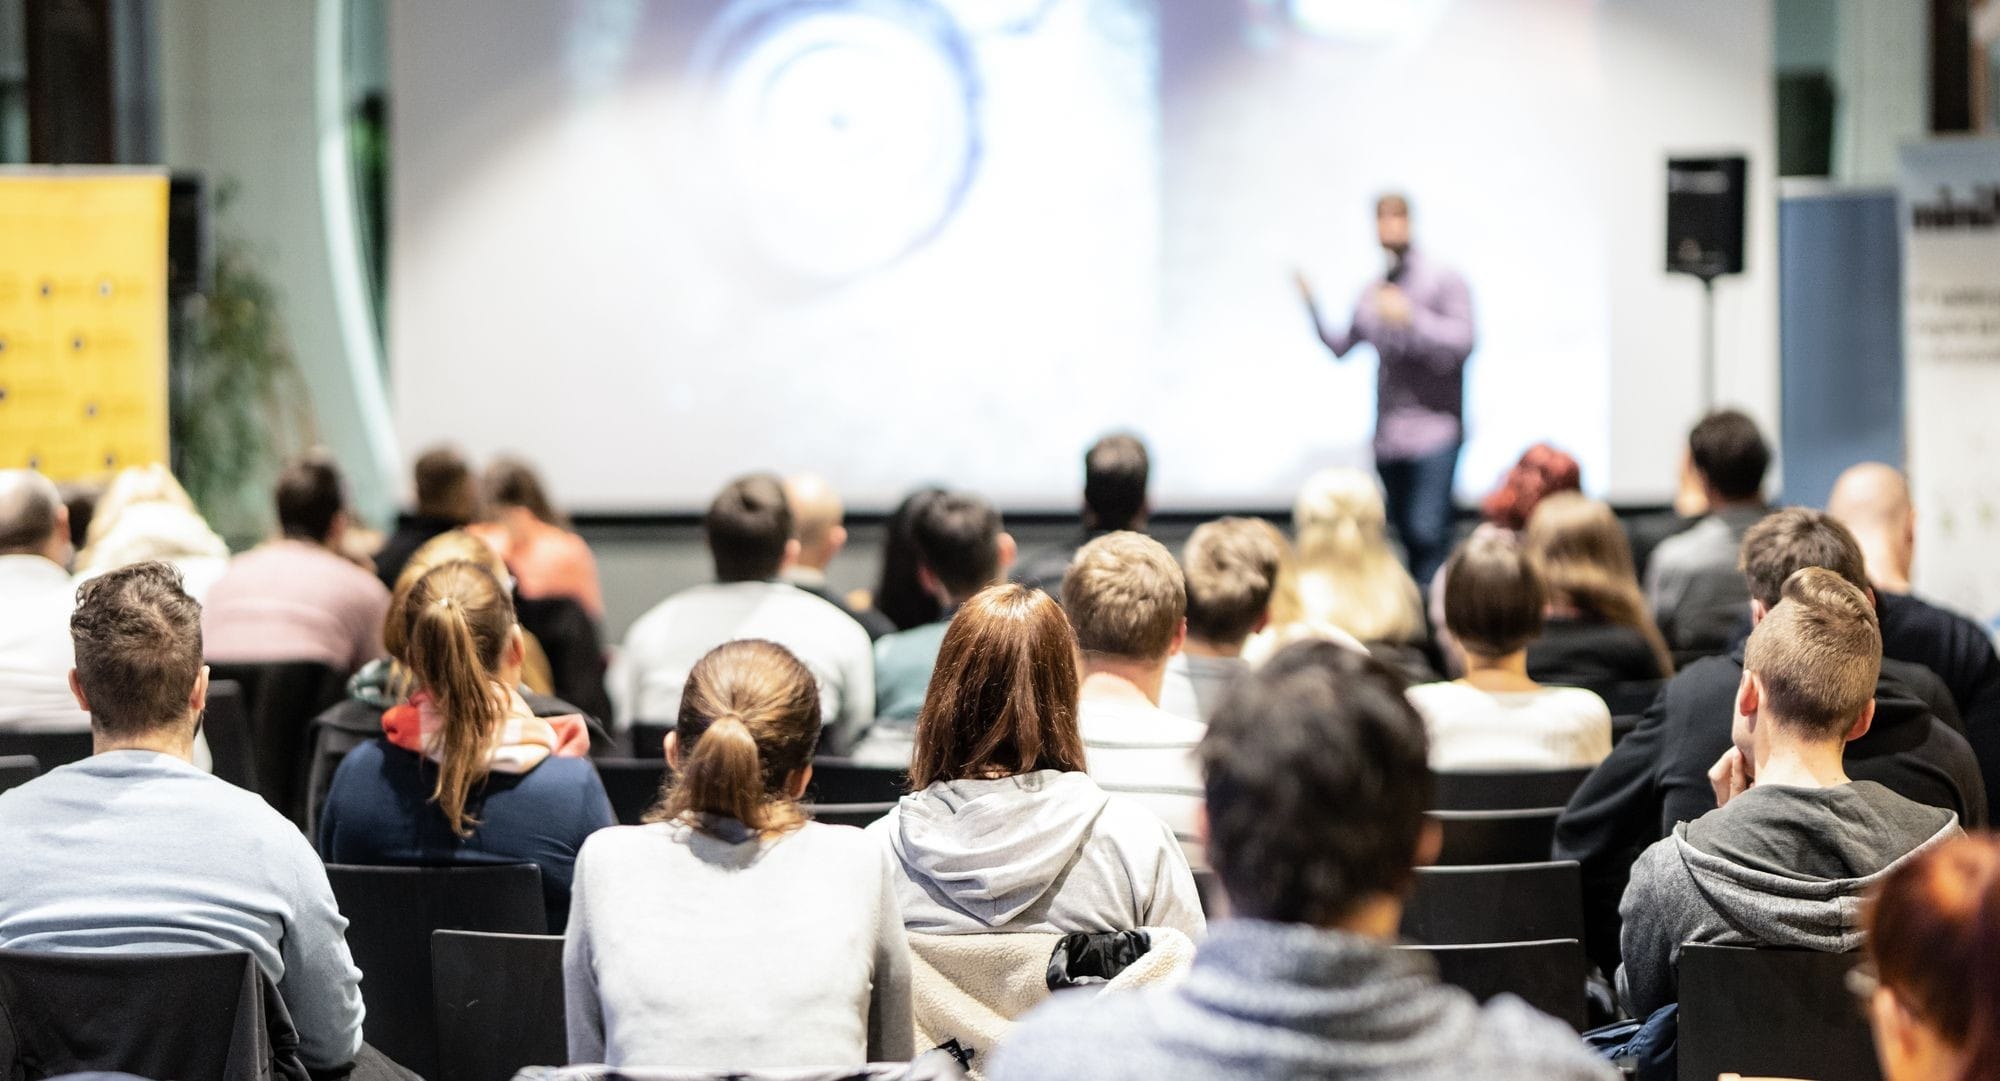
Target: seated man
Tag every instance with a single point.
(962, 550)
(1793, 845)
(447, 499)
(1692, 583)
(296, 598)
(1231, 566)
(134, 850)
(818, 519)
(1126, 598)
(36, 594)
(1317, 783)
(749, 532)
(1115, 472)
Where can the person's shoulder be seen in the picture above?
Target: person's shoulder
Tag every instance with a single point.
(1520, 1042)
(1080, 1034)
(843, 844)
(1579, 700)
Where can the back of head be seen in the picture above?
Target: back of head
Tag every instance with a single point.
(1002, 698)
(958, 538)
(1871, 498)
(1585, 560)
(1232, 567)
(1115, 470)
(1789, 540)
(310, 497)
(511, 482)
(1933, 930)
(454, 626)
(451, 546)
(1730, 454)
(1344, 550)
(444, 485)
(30, 508)
(748, 527)
(1493, 597)
(816, 510)
(1339, 512)
(1818, 653)
(749, 721)
(137, 636)
(1542, 471)
(1126, 598)
(1318, 777)
(900, 592)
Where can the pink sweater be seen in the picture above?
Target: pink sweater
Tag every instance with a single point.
(293, 601)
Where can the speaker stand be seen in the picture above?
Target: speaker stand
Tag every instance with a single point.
(1708, 373)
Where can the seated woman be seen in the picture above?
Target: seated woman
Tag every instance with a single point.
(729, 932)
(1933, 990)
(1003, 829)
(1597, 630)
(465, 771)
(548, 560)
(1496, 717)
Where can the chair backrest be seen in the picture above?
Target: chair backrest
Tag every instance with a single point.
(391, 913)
(17, 770)
(848, 814)
(226, 724)
(338, 729)
(633, 784)
(499, 1003)
(1519, 902)
(649, 739)
(205, 1016)
(281, 698)
(843, 780)
(1504, 790)
(1548, 974)
(1771, 1011)
(1522, 836)
(49, 749)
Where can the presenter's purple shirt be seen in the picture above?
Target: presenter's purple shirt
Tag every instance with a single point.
(1420, 382)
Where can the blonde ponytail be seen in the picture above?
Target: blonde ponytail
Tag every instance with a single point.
(456, 623)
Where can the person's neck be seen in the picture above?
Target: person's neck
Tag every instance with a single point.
(1509, 673)
(1799, 764)
(1110, 677)
(1379, 917)
(1888, 565)
(175, 741)
(1200, 647)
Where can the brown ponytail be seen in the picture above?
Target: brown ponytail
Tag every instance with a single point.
(456, 621)
(749, 720)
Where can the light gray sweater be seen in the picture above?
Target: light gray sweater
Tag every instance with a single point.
(729, 951)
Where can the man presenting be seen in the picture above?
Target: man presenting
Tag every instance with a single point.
(1418, 317)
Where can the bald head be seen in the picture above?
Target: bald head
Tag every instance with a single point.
(816, 518)
(1873, 501)
(33, 519)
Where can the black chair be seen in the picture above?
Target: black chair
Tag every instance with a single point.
(281, 698)
(1548, 975)
(227, 726)
(220, 1020)
(649, 739)
(391, 913)
(1504, 790)
(17, 770)
(848, 814)
(499, 1003)
(1627, 697)
(1520, 902)
(1479, 837)
(48, 749)
(633, 785)
(843, 780)
(1770, 1011)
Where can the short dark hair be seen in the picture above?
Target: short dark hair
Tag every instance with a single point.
(1125, 596)
(1115, 469)
(512, 482)
(1790, 540)
(1231, 566)
(444, 483)
(137, 636)
(747, 526)
(1318, 777)
(310, 496)
(1730, 453)
(28, 502)
(958, 538)
(1493, 596)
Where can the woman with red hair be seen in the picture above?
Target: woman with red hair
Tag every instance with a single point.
(1932, 980)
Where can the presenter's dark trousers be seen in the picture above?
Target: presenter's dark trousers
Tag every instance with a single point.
(1417, 494)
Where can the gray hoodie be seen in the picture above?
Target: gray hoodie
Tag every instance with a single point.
(1047, 851)
(1776, 866)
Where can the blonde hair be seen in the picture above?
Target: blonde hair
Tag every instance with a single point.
(145, 514)
(455, 546)
(455, 622)
(1125, 596)
(749, 720)
(1348, 575)
(1586, 563)
(1232, 568)
(1818, 653)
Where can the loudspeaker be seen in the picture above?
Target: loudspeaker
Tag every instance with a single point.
(1705, 216)
(190, 247)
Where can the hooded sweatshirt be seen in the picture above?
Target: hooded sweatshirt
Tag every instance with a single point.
(1776, 866)
(1046, 851)
(1281, 1000)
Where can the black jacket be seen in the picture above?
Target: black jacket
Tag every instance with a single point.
(412, 532)
(1959, 652)
(1574, 652)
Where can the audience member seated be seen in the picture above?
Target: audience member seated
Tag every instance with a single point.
(1126, 598)
(1793, 844)
(1598, 630)
(1541, 472)
(465, 771)
(133, 849)
(963, 550)
(1873, 501)
(1116, 469)
(37, 596)
(1003, 829)
(1657, 776)
(749, 534)
(1933, 929)
(146, 515)
(900, 598)
(730, 932)
(447, 499)
(295, 598)
(1496, 717)
(1231, 566)
(1349, 579)
(1317, 785)
(547, 558)
(818, 519)
(1692, 582)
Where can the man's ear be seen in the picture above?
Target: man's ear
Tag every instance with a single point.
(1009, 552)
(336, 529)
(198, 698)
(836, 539)
(932, 585)
(76, 691)
(1749, 697)
(1862, 723)
(1430, 843)
(1180, 637)
(1757, 611)
(1263, 621)
(792, 550)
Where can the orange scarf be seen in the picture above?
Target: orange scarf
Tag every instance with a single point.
(520, 743)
